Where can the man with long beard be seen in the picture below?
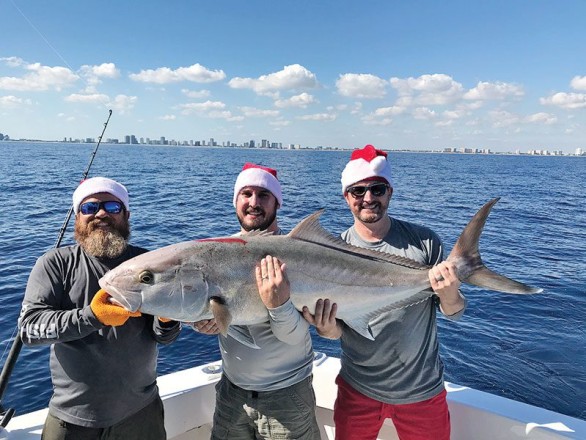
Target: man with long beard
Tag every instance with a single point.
(399, 375)
(103, 358)
(267, 392)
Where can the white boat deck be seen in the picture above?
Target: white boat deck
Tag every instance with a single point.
(189, 399)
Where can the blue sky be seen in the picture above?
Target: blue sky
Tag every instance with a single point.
(503, 75)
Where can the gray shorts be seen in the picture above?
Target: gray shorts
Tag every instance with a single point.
(146, 424)
(288, 413)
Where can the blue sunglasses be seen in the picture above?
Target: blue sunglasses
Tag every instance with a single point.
(91, 208)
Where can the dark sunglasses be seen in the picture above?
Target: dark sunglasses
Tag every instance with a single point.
(376, 189)
(91, 208)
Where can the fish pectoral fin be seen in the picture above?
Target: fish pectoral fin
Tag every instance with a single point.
(221, 314)
(361, 327)
(242, 335)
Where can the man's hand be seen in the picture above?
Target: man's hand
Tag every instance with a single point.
(446, 285)
(108, 313)
(205, 326)
(272, 282)
(324, 319)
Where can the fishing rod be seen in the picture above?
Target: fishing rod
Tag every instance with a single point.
(6, 414)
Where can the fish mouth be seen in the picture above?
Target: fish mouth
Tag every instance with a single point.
(131, 303)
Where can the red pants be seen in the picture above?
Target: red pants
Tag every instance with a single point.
(358, 417)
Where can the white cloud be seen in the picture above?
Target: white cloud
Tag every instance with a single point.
(541, 118)
(227, 115)
(371, 119)
(13, 61)
(123, 103)
(568, 101)
(578, 83)
(435, 89)
(90, 98)
(361, 85)
(291, 77)
(13, 102)
(196, 94)
(280, 123)
(202, 106)
(40, 78)
(164, 75)
(318, 117)
(389, 111)
(255, 112)
(424, 113)
(104, 70)
(300, 101)
(485, 91)
(502, 118)
(168, 118)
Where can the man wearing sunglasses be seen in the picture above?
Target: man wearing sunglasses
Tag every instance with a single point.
(399, 375)
(103, 358)
(265, 392)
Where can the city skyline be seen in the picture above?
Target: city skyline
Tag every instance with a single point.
(497, 75)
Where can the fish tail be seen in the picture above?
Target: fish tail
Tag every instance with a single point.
(469, 265)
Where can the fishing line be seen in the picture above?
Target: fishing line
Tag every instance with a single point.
(31, 24)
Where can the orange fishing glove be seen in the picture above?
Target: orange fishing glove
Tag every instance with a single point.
(108, 313)
(165, 319)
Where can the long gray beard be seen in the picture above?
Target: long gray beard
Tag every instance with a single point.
(104, 244)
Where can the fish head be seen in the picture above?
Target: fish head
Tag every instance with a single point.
(166, 282)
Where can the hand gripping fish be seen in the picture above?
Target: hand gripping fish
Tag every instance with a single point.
(215, 278)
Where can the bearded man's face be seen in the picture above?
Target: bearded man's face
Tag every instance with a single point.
(102, 234)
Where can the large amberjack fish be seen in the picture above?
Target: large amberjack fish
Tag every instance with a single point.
(215, 278)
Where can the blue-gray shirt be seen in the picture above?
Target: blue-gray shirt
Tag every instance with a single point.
(402, 365)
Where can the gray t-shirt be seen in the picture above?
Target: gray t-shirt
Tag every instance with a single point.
(402, 365)
(285, 356)
(100, 374)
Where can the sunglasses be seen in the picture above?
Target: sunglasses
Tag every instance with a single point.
(376, 189)
(91, 208)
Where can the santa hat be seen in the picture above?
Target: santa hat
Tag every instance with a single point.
(257, 175)
(97, 185)
(367, 163)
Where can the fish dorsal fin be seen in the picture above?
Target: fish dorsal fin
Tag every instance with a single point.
(309, 229)
(221, 314)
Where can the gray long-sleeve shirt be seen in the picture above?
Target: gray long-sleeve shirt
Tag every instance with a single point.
(100, 374)
(285, 356)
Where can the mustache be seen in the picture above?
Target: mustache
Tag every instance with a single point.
(255, 211)
(94, 224)
(371, 205)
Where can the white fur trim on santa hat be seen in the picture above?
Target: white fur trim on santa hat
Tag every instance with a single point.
(360, 169)
(97, 185)
(261, 178)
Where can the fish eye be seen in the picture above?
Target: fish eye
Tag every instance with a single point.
(146, 277)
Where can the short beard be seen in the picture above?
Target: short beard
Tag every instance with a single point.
(100, 243)
(260, 225)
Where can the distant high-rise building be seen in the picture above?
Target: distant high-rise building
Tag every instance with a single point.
(579, 152)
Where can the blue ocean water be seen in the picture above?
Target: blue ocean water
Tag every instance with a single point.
(528, 348)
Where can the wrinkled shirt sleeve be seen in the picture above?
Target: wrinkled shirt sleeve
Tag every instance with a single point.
(165, 332)
(288, 324)
(42, 320)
